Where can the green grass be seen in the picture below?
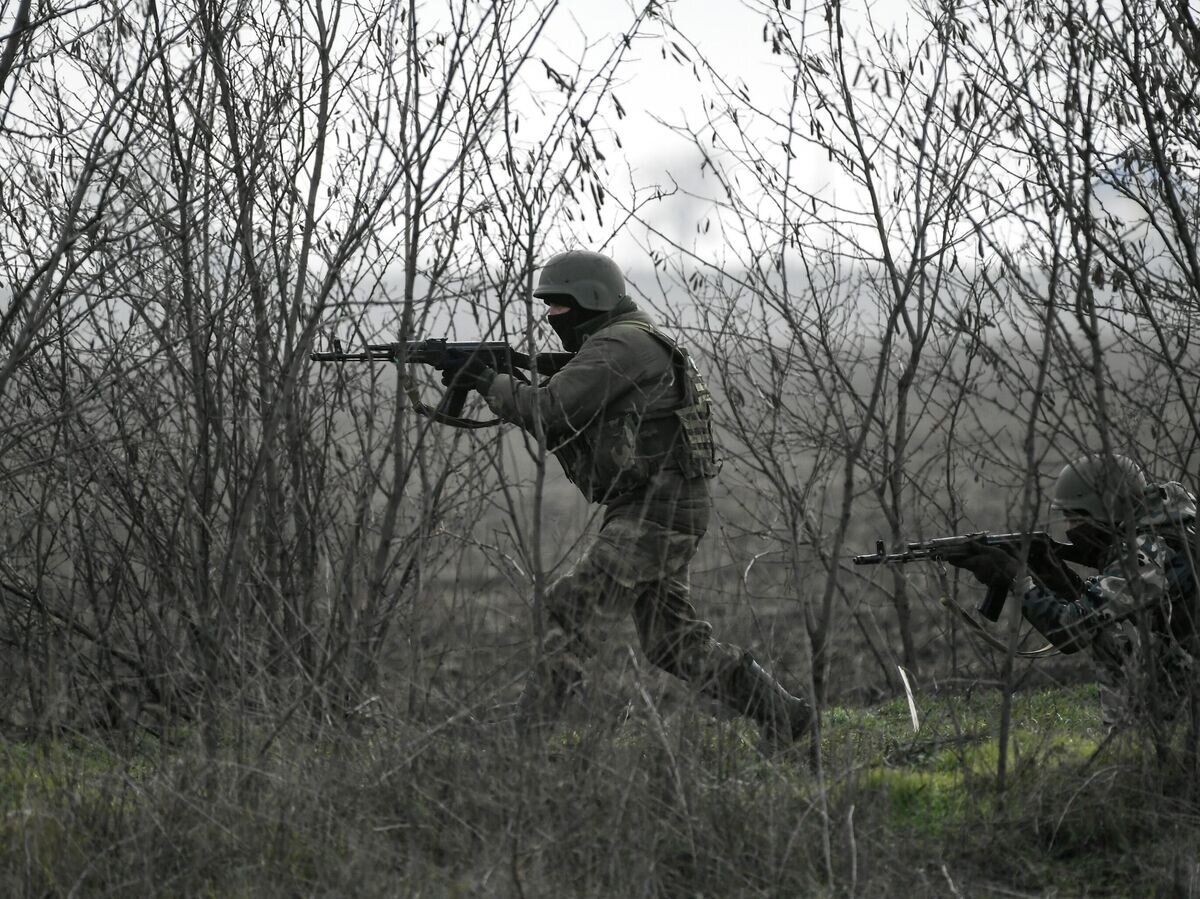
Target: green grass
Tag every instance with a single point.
(618, 809)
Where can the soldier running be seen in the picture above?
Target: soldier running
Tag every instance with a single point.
(629, 420)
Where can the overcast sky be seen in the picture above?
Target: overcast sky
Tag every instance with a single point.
(730, 36)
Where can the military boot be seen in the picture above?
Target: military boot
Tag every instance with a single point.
(551, 683)
(749, 690)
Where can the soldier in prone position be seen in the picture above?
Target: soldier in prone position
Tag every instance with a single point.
(1138, 614)
(628, 418)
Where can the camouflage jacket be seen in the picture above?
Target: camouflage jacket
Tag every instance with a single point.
(1147, 589)
(628, 407)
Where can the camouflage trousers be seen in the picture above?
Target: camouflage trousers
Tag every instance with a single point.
(637, 568)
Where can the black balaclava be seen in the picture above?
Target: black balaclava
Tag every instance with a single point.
(1092, 541)
(567, 324)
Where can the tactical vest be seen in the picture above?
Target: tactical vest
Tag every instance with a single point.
(621, 453)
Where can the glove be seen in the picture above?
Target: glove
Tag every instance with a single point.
(1052, 572)
(989, 564)
(470, 373)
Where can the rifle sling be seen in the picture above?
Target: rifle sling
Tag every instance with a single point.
(1045, 652)
(441, 417)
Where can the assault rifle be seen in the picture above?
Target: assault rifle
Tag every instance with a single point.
(1045, 561)
(443, 354)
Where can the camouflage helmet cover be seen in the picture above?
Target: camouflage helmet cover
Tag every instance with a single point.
(1106, 488)
(592, 279)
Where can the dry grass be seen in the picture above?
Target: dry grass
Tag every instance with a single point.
(634, 799)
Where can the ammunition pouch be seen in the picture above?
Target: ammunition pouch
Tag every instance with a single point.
(697, 447)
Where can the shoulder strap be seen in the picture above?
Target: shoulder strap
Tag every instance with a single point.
(641, 326)
(679, 356)
(648, 328)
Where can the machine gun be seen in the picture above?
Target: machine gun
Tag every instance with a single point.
(443, 354)
(1045, 561)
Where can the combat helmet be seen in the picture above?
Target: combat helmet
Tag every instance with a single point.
(1108, 489)
(591, 279)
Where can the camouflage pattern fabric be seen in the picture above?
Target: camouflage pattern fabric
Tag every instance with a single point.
(635, 567)
(1137, 616)
(623, 409)
(629, 419)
